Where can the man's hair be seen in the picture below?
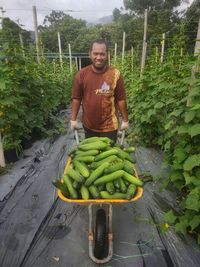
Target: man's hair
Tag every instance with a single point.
(99, 41)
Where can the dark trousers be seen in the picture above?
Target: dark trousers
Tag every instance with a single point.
(89, 133)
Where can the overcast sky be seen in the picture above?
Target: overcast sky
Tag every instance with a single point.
(89, 10)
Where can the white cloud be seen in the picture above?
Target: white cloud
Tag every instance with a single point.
(89, 10)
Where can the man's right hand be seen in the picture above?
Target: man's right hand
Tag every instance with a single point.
(73, 125)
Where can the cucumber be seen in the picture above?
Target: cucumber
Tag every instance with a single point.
(132, 179)
(109, 159)
(106, 154)
(73, 193)
(76, 185)
(106, 195)
(117, 165)
(116, 184)
(82, 168)
(94, 191)
(129, 149)
(96, 173)
(61, 186)
(90, 140)
(131, 191)
(84, 192)
(75, 175)
(94, 145)
(109, 177)
(128, 169)
(110, 188)
(86, 159)
(92, 152)
(122, 185)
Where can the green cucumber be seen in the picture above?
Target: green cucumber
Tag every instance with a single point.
(106, 195)
(96, 173)
(109, 177)
(73, 193)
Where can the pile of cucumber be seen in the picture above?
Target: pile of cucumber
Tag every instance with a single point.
(99, 170)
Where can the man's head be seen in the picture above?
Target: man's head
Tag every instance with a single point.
(99, 54)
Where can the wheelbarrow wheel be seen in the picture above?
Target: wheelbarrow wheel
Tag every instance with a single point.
(100, 234)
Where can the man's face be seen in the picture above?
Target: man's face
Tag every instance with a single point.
(98, 56)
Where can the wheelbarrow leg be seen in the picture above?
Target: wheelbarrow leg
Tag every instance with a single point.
(99, 234)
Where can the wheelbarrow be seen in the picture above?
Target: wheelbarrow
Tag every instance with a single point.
(100, 234)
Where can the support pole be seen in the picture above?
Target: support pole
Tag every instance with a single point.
(60, 51)
(22, 45)
(162, 48)
(36, 34)
(2, 159)
(144, 48)
(115, 55)
(123, 46)
(70, 58)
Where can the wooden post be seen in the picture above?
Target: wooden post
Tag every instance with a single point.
(22, 45)
(36, 34)
(79, 60)
(70, 58)
(109, 58)
(2, 159)
(156, 54)
(162, 48)
(144, 48)
(76, 62)
(132, 56)
(60, 51)
(197, 44)
(181, 52)
(195, 68)
(123, 46)
(115, 55)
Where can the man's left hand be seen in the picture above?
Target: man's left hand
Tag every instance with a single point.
(124, 125)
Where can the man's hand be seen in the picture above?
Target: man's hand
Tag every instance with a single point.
(124, 125)
(73, 125)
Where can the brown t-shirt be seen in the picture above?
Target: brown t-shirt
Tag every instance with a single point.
(99, 93)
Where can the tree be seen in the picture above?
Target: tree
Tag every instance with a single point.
(10, 32)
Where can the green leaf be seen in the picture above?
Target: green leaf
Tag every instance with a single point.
(195, 222)
(189, 116)
(176, 113)
(170, 217)
(188, 179)
(2, 85)
(191, 162)
(196, 107)
(180, 154)
(183, 129)
(181, 226)
(176, 175)
(195, 130)
(192, 201)
(159, 105)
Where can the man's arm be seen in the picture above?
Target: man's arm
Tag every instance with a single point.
(123, 110)
(75, 108)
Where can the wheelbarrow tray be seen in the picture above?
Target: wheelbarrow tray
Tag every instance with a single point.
(138, 194)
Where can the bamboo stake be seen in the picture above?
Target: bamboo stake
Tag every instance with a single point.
(132, 57)
(79, 60)
(54, 66)
(109, 58)
(162, 48)
(195, 68)
(36, 34)
(70, 58)
(181, 52)
(60, 51)
(144, 43)
(156, 54)
(115, 55)
(22, 45)
(76, 62)
(2, 159)
(123, 46)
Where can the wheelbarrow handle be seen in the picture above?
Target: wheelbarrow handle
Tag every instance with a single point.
(122, 137)
(76, 136)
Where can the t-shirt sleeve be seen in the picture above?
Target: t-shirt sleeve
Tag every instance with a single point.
(120, 93)
(77, 89)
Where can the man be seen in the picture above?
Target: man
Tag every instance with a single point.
(101, 90)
